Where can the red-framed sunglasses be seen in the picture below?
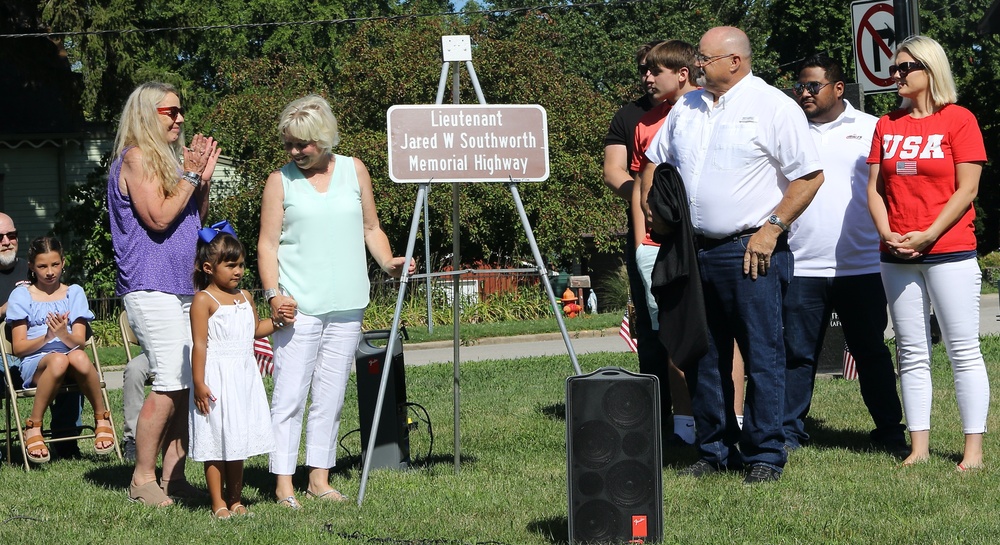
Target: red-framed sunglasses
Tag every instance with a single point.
(171, 112)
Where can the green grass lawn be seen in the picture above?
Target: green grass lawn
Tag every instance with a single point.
(512, 484)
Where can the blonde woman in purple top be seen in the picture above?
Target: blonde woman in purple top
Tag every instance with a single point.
(156, 203)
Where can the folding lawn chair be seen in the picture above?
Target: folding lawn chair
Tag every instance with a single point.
(129, 340)
(128, 336)
(15, 391)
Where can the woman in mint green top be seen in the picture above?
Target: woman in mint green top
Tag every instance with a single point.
(317, 216)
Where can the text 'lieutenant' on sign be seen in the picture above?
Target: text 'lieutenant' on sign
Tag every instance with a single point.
(446, 143)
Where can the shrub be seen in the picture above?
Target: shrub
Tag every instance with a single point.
(615, 291)
(990, 260)
(521, 303)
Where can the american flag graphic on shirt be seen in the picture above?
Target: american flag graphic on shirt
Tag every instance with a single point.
(906, 168)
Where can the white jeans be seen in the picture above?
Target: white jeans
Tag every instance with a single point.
(645, 258)
(162, 324)
(315, 351)
(953, 289)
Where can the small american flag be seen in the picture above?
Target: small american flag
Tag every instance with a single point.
(626, 334)
(265, 357)
(906, 168)
(850, 370)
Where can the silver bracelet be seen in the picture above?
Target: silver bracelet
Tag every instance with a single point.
(192, 177)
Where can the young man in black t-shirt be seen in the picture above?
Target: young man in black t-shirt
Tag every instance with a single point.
(619, 178)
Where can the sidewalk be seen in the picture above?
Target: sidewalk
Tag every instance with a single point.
(551, 344)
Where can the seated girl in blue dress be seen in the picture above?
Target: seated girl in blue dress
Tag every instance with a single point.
(48, 322)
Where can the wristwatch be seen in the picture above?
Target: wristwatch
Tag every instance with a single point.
(773, 219)
(269, 294)
(192, 177)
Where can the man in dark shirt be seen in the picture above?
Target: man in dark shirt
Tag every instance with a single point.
(619, 178)
(13, 271)
(67, 407)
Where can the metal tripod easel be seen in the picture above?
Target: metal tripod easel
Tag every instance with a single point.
(455, 53)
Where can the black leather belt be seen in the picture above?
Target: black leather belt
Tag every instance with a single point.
(705, 243)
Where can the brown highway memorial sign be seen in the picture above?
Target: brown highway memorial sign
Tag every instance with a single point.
(468, 143)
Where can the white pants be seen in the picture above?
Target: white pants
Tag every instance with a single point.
(645, 258)
(953, 289)
(315, 351)
(162, 324)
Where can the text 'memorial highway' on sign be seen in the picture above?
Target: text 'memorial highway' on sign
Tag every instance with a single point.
(874, 44)
(468, 143)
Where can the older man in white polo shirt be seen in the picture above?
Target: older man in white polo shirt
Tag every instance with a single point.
(750, 168)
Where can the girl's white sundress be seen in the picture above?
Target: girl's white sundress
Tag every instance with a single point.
(238, 425)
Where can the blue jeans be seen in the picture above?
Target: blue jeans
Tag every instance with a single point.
(748, 311)
(861, 307)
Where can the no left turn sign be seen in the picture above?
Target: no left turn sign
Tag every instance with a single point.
(874, 44)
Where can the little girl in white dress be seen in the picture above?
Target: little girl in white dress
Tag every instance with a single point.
(229, 411)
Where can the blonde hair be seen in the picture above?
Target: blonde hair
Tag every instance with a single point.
(930, 53)
(140, 127)
(310, 119)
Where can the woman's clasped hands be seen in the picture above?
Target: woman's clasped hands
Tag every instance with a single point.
(910, 245)
(202, 156)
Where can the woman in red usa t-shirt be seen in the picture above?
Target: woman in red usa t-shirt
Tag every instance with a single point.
(926, 160)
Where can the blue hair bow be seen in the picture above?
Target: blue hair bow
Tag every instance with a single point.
(207, 234)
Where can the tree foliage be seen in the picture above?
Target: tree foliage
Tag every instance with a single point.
(90, 257)
(245, 120)
(576, 61)
(798, 30)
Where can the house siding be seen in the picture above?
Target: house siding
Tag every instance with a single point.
(30, 189)
(36, 176)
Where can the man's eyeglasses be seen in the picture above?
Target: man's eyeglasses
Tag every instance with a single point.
(10, 235)
(704, 60)
(171, 112)
(814, 87)
(904, 68)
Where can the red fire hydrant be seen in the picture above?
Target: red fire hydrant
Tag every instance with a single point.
(570, 306)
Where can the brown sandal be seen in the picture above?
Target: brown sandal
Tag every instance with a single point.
(35, 443)
(103, 433)
(148, 494)
(330, 495)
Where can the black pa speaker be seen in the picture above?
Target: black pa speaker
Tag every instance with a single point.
(392, 439)
(614, 463)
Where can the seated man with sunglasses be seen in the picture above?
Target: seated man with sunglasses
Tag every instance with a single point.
(67, 407)
(835, 246)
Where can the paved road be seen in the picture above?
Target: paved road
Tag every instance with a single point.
(600, 341)
(551, 344)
